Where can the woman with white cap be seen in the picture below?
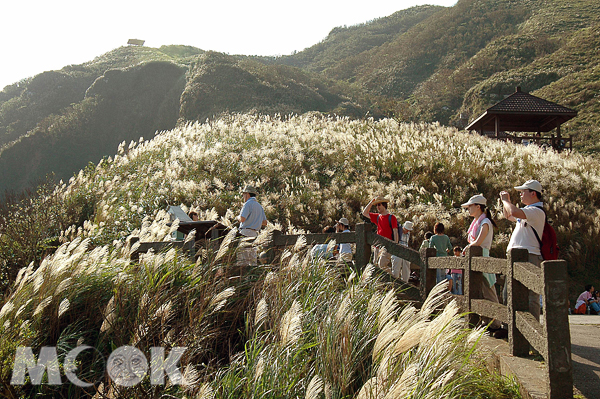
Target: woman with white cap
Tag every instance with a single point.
(481, 233)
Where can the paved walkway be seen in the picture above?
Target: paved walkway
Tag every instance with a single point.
(585, 354)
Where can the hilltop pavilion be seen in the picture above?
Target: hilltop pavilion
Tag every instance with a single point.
(523, 112)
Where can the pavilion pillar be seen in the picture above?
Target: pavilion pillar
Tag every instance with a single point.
(497, 126)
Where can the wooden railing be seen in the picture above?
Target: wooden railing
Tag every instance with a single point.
(550, 337)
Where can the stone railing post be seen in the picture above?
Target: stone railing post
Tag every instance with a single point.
(556, 323)
(517, 300)
(363, 248)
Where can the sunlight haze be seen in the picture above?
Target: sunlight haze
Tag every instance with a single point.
(38, 36)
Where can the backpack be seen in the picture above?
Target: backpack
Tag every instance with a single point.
(548, 244)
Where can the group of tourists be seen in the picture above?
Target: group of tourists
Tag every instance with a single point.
(529, 226)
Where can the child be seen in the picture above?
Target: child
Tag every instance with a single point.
(442, 245)
(587, 299)
(425, 243)
(456, 275)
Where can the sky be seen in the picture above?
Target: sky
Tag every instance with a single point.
(42, 35)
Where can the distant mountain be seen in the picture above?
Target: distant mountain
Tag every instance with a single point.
(59, 121)
(425, 63)
(450, 64)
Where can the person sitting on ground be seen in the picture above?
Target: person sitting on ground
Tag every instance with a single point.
(587, 299)
(425, 243)
(442, 245)
(320, 250)
(345, 250)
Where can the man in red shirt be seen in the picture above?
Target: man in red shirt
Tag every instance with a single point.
(387, 226)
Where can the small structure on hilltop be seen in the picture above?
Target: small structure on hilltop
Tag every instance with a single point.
(136, 42)
(523, 112)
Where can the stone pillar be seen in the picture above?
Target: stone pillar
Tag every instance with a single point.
(556, 323)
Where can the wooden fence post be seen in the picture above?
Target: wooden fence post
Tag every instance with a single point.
(556, 323)
(472, 283)
(518, 300)
(427, 276)
(363, 248)
(270, 247)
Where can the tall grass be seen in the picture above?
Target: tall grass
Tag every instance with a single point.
(312, 170)
(297, 328)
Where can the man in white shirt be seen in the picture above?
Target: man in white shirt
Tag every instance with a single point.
(252, 218)
(343, 226)
(528, 218)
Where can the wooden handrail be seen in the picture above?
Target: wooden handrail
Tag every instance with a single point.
(551, 337)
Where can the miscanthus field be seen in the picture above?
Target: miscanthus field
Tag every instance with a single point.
(295, 328)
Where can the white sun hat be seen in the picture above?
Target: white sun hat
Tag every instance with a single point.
(476, 199)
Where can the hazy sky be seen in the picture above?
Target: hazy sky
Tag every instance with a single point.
(42, 35)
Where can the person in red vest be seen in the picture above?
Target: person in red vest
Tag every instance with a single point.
(387, 226)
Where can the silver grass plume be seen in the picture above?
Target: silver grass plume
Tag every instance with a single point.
(205, 392)
(261, 314)
(219, 300)
(387, 335)
(225, 244)
(300, 243)
(6, 309)
(371, 390)
(63, 307)
(259, 368)
(190, 237)
(315, 387)
(191, 378)
(291, 325)
(42, 305)
(109, 315)
(388, 309)
(330, 246)
(436, 298)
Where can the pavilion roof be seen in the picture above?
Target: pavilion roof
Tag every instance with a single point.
(522, 112)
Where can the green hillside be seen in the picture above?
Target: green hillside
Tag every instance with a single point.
(59, 121)
(444, 63)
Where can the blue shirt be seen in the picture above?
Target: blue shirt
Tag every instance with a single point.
(254, 214)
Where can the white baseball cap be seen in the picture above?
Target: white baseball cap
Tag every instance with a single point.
(530, 185)
(476, 199)
(344, 221)
(408, 225)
